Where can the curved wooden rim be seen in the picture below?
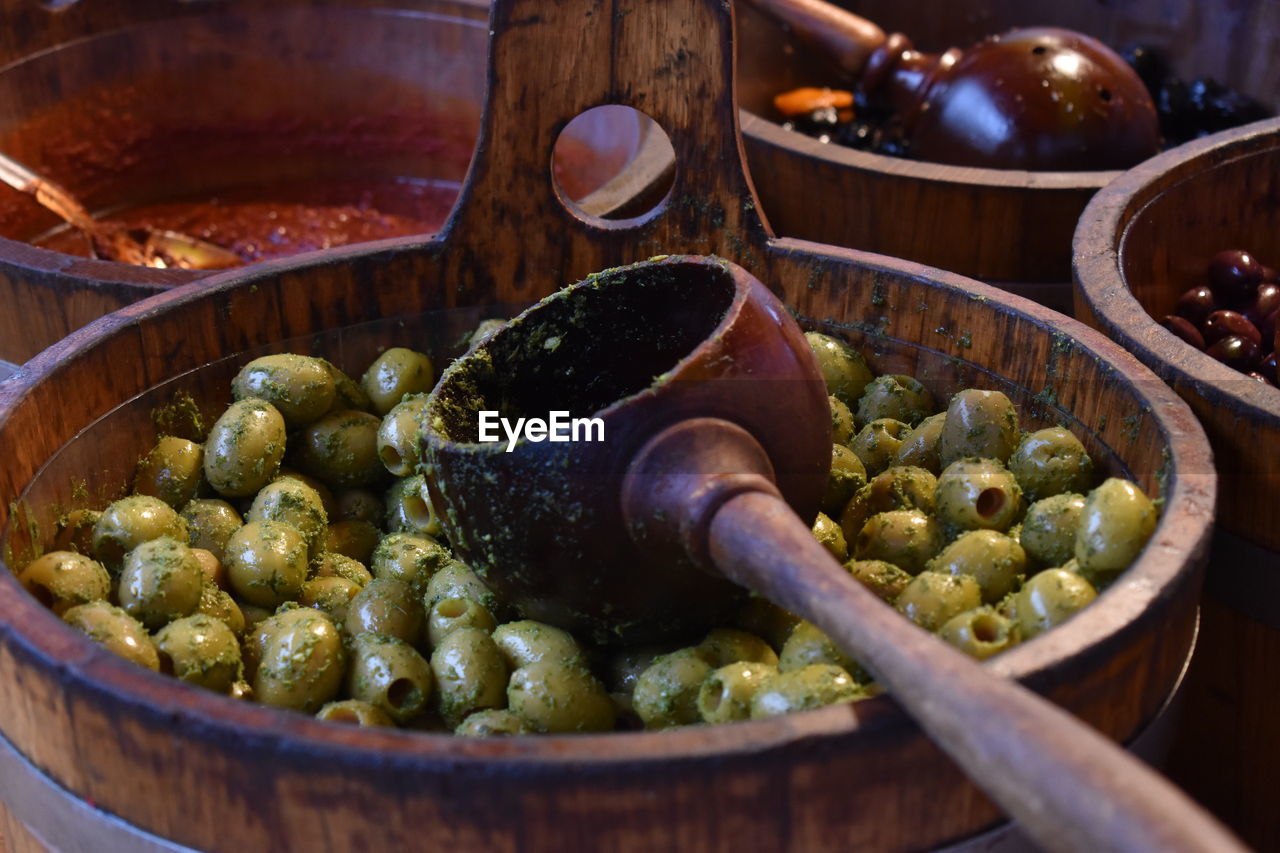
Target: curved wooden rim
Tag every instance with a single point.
(771, 132)
(1099, 274)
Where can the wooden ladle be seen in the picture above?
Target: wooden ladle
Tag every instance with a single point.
(715, 419)
(1041, 98)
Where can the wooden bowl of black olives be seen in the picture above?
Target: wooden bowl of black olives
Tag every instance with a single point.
(850, 175)
(586, 743)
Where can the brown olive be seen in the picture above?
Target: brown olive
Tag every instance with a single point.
(1220, 324)
(1266, 301)
(75, 531)
(1233, 275)
(1196, 305)
(1235, 352)
(358, 505)
(1182, 328)
(353, 539)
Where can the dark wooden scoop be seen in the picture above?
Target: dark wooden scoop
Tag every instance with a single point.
(716, 433)
(1042, 98)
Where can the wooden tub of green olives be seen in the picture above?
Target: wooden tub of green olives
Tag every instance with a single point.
(1005, 225)
(1144, 242)
(847, 774)
(319, 124)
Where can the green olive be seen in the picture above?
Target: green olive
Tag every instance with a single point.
(75, 531)
(327, 501)
(1049, 599)
(62, 579)
(160, 581)
(625, 665)
(294, 503)
(394, 375)
(492, 722)
(980, 633)
(409, 558)
(1051, 461)
(560, 697)
(666, 694)
(829, 534)
(843, 368)
(386, 606)
(762, 617)
(919, 447)
(128, 522)
(846, 476)
(526, 641)
(901, 487)
(341, 450)
(1115, 524)
(266, 562)
(978, 494)
(842, 425)
(200, 650)
(456, 580)
(171, 471)
(398, 436)
(886, 580)
(978, 423)
(389, 674)
(210, 523)
(116, 630)
(348, 395)
(409, 510)
(302, 660)
(450, 614)
(218, 604)
(244, 448)
(1049, 530)
(994, 560)
(809, 645)
(471, 674)
(801, 689)
(299, 386)
(877, 444)
(353, 539)
(905, 537)
(724, 646)
(211, 567)
(725, 695)
(331, 596)
(358, 505)
(895, 396)
(332, 565)
(932, 598)
(354, 712)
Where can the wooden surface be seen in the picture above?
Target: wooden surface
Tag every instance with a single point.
(1142, 242)
(178, 761)
(1008, 227)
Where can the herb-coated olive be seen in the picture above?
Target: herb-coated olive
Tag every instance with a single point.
(409, 558)
(394, 375)
(843, 368)
(1050, 598)
(978, 494)
(492, 722)
(244, 448)
(214, 572)
(808, 645)
(389, 674)
(471, 674)
(450, 614)
(980, 633)
(979, 423)
(302, 660)
(993, 559)
(725, 695)
(354, 712)
(932, 598)
(842, 425)
(877, 444)
(1220, 324)
(353, 539)
(1183, 329)
(160, 581)
(210, 523)
(266, 562)
(61, 580)
(1233, 276)
(299, 386)
(218, 604)
(74, 531)
(327, 500)
(886, 580)
(115, 629)
(1196, 305)
(200, 650)
(1049, 462)
(456, 580)
(333, 565)
(129, 522)
(398, 436)
(1235, 352)
(666, 694)
(1115, 524)
(171, 471)
(558, 697)
(330, 596)
(801, 689)
(908, 538)
(1049, 530)
(348, 395)
(625, 665)
(409, 508)
(296, 504)
(902, 487)
(341, 450)
(728, 645)
(895, 396)
(920, 446)
(386, 606)
(846, 476)
(829, 534)
(526, 641)
(358, 505)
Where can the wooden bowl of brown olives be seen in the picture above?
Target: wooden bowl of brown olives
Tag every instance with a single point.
(74, 430)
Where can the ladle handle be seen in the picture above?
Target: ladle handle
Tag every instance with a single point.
(849, 39)
(49, 194)
(1066, 784)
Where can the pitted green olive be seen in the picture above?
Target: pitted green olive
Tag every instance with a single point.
(994, 560)
(831, 536)
(1050, 598)
(389, 674)
(171, 471)
(842, 425)
(293, 502)
(341, 450)
(978, 494)
(843, 368)
(394, 375)
(200, 650)
(978, 423)
(895, 396)
(886, 580)
(61, 580)
(1115, 524)
(526, 641)
(160, 581)
(302, 660)
(398, 436)
(666, 694)
(244, 448)
(1049, 530)
(846, 476)
(908, 538)
(558, 697)
(128, 522)
(266, 562)
(980, 633)
(1051, 461)
(802, 689)
(919, 447)
(300, 387)
(726, 694)
(210, 523)
(877, 444)
(116, 630)
(471, 674)
(386, 606)
(409, 558)
(932, 598)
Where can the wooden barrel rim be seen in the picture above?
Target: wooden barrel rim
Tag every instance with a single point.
(1101, 282)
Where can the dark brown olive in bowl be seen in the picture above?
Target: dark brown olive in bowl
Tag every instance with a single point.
(1235, 351)
(1223, 324)
(1182, 327)
(1196, 305)
(1269, 327)
(1233, 275)
(1266, 301)
(1269, 369)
